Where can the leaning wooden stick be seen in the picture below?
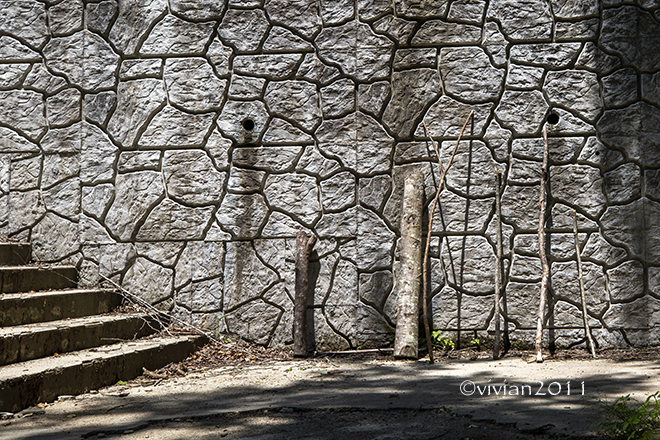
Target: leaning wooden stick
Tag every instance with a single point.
(498, 263)
(304, 246)
(544, 259)
(585, 316)
(425, 262)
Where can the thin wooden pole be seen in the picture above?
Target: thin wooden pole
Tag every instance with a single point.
(425, 286)
(304, 246)
(498, 263)
(544, 259)
(585, 316)
(406, 337)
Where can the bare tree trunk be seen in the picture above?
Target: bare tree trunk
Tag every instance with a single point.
(498, 263)
(585, 316)
(407, 322)
(544, 259)
(304, 246)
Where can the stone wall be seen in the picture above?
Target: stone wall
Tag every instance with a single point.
(178, 146)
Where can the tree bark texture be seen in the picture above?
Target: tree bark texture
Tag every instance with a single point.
(304, 246)
(542, 254)
(408, 283)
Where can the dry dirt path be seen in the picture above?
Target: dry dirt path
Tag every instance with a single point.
(366, 399)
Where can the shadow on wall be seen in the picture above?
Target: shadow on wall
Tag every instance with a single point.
(605, 163)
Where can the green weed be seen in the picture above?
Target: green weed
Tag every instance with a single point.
(622, 421)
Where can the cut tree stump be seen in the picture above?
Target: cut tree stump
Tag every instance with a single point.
(304, 246)
(410, 270)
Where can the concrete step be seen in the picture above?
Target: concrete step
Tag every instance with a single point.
(27, 308)
(14, 254)
(43, 380)
(15, 279)
(33, 341)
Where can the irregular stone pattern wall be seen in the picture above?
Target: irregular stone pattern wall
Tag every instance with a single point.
(178, 146)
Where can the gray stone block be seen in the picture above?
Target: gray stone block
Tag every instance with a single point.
(136, 102)
(300, 15)
(191, 178)
(192, 84)
(468, 74)
(582, 30)
(242, 215)
(453, 310)
(101, 61)
(296, 193)
(297, 101)
(246, 87)
(635, 44)
(243, 29)
(338, 192)
(27, 20)
(626, 281)
(173, 36)
(338, 98)
(623, 184)
(173, 128)
(412, 91)
(575, 90)
(24, 110)
(528, 20)
(441, 32)
(620, 88)
(99, 15)
(633, 129)
(580, 186)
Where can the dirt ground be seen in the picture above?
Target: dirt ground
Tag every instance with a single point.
(356, 424)
(241, 391)
(331, 424)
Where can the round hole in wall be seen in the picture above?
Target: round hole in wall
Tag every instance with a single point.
(248, 124)
(553, 118)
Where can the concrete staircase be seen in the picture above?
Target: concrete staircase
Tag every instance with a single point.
(56, 339)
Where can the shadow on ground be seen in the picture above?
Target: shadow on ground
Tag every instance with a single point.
(507, 392)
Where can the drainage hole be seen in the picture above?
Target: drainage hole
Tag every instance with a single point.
(248, 124)
(553, 118)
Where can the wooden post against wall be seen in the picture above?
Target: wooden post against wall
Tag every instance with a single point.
(304, 246)
(498, 263)
(540, 317)
(410, 269)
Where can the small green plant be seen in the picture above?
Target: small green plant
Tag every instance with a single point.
(444, 343)
(121, 382)
(622, 421)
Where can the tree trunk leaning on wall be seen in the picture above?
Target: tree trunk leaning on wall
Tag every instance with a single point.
(304, 246)
(544, 259)
(409, 276)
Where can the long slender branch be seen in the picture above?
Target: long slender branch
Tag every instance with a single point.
(585, 315)
(425, 286)
(136, 299)
(544, 259)
(498, 263)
